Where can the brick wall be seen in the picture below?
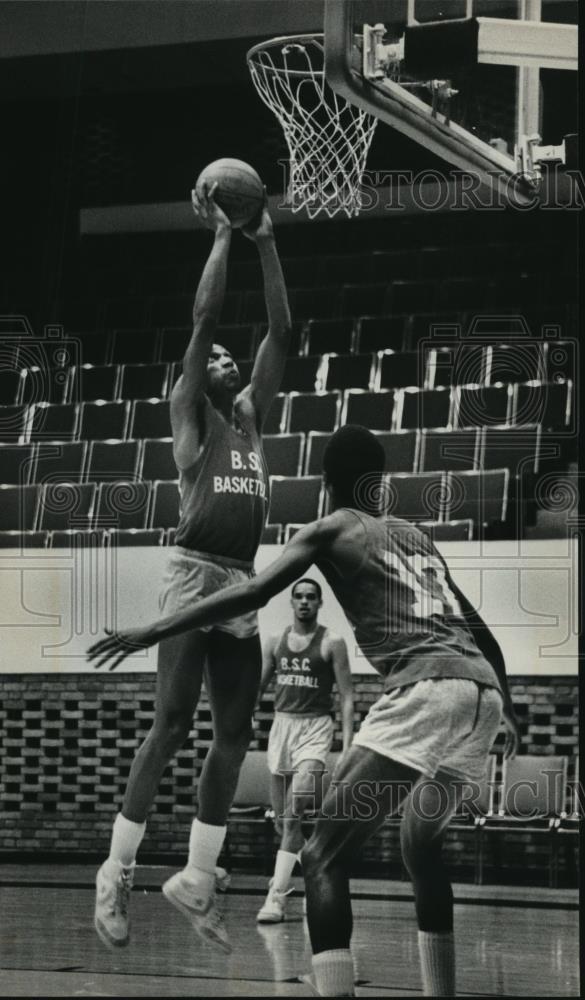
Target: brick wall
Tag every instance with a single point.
(67, 743)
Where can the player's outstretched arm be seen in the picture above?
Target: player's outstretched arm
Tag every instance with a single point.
(300, 553)
(272, 353)
(342, 671)
(189, 390)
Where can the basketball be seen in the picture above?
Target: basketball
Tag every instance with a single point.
(240, 192)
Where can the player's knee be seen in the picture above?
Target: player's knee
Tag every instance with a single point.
(233, 743)
(171, 730)
(317, 856)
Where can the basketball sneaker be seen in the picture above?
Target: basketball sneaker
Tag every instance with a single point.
(196, 901)
(272, 911)
(112, 903)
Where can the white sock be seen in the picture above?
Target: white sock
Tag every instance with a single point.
(437, 959)
(334, 973)
(283, 869)
(126, 839)
(205, 844)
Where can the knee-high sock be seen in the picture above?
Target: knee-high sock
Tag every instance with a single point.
(334, 973)
(126, 839)
(437, 959)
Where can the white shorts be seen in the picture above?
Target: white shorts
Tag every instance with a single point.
(191, 576)
(294, 738)
(447, 724)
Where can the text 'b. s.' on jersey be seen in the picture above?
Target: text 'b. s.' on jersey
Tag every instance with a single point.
(406, 619)
(304, 680)
(225, 493)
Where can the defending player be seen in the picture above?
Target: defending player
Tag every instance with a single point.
(306, 660)
(425, 740)
(224, 499)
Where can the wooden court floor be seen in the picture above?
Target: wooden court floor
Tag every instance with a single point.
(511, 941)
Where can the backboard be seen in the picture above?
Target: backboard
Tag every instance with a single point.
(462, 77)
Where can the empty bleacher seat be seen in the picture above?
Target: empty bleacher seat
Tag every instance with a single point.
(464, 293)
(342, 371)
(125, 537)
(316, 444)
(516, 362)
(364, 300)
(89, 383)
(133, 347)
(275, 420)
(424, 408)
(64, 506)
(373, 410)
(165, 505)
(435, 328)
(128, 311)
(412, 296)
(400, 448)
(157, 460)
(443, 450)
(400, 370)
(23, 539)
(295, 500)
(77, 538)
(143, 381)
(458, 364)
(313, 411)
(100, 421)
(560, 362)
(480, 496)
(300, 374)
(272, 534)
(93, 348)
(381, 333)
(315, 303)
(546, 403)
(10, 386)
(283, 453)
(54, 422)
(511, 448)
(60, 462)
(12, 422)
(18, 506)
(174, 342)
(16, 463)
(415, 497)
(110, 460)
(123, 505)
(150, 419)
(324, 335)
(46, 385)
(482, 406)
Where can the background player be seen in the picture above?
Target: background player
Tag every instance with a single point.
(427, 738)
(306, 660)
(224, 500)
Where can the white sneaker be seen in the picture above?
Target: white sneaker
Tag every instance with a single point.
(272, 911)
(199, 905)
(112, 903)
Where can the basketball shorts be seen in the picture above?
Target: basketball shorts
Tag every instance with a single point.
(294, 738)
(447, 724)
(191, 576)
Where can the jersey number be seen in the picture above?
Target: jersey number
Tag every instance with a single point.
(425, 577)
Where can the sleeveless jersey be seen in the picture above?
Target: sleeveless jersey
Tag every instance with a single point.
(225, 493)
(304, 681)
(405, 617)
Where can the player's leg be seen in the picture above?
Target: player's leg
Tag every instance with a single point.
(179, 674)
(232, 680)
(367, 788)
(427, 813)
(301, 793)
(272, 909)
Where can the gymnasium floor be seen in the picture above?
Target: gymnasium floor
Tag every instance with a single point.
(511, 941)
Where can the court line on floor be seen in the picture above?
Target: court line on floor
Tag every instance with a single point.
(394, 897)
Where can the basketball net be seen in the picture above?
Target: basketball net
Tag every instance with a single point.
(328, 139)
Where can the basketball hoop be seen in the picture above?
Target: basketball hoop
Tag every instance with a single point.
(328, 139)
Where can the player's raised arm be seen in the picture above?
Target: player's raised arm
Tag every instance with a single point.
(187, 395)
(300, 553)
(342, 671)
(272, 353)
